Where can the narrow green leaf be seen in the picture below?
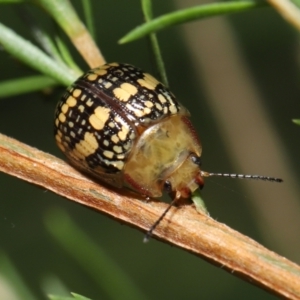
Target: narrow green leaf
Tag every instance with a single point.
(147, 11)
(199, 203)
(57, 297)
(188, 15)
(25, 85)
(79, 297)
(28, 53)
(10, 275)
(296, 2)
(296, 121)
(92, 258)
(39, 34)
(44, 40)
(75, 297)
(59, 9)
(88, 15)
(51, 284)
(66, 55)
(10, 1)
(67, 18)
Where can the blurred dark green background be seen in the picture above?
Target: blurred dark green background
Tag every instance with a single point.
(270, 51)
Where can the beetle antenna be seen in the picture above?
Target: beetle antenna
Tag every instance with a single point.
(242, 176)
(156, 223)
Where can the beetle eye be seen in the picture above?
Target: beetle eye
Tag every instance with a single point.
(196, 159)
(167, 186)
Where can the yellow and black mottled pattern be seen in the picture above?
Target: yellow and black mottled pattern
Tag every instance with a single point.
(140, 97)
(99, 117)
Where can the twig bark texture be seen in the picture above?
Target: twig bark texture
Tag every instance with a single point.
(183, 227)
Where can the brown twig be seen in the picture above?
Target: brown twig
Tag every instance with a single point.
(66, 16)
(288, 10)
(183, 227)
(86, 46)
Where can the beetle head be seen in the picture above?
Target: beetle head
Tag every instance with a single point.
(185, 179)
